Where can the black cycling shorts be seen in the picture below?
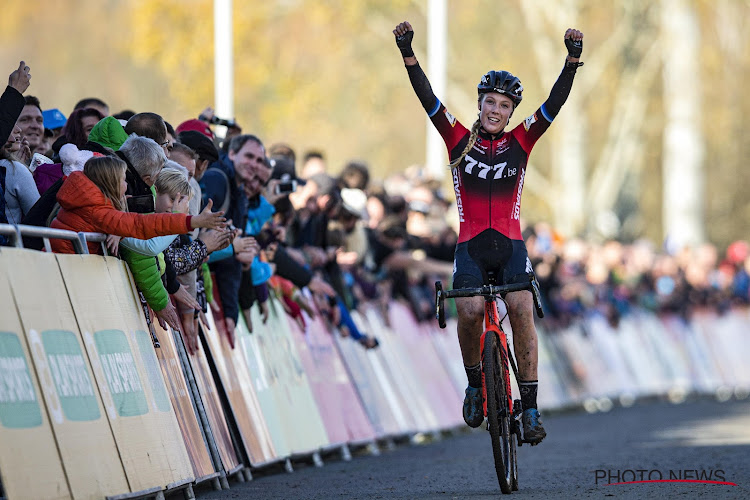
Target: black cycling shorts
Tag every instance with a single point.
(490, 252)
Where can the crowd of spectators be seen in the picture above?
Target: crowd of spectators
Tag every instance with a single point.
(224, 222)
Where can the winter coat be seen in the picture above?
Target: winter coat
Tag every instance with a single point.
(11, 106)
(85, 208)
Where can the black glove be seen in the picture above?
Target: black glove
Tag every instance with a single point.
(403, 42)
(575, 47)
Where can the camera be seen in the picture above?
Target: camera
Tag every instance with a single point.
(286, 187)
(215, 120)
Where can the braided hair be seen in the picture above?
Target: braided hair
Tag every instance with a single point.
(472, 140)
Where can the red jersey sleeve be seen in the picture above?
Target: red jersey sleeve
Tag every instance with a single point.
(531, 129)
(448, 126)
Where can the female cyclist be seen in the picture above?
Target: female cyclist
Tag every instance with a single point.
(488, 166)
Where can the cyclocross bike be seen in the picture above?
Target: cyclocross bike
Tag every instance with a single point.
(502, 412)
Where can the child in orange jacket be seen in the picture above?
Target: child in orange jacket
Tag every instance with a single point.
(94, 201)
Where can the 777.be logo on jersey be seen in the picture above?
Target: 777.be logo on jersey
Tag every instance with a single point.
(484, 169)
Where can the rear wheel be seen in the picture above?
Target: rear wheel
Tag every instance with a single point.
(498, 417)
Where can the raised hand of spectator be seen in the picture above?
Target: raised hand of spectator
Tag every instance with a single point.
(113, 244)
(20, 79)
(183, 297)
(244, 244)
(168, 316)
(215, 239)
(209, 219)
(24, 154)
(316, 255)
(190, 333)
(320, 287)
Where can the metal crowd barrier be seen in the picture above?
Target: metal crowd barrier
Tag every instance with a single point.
(16, 232)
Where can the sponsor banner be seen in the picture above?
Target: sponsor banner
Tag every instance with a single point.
(28, 444)
(135, 410)
(340, 407)
(233, 370)
(298, 413)
(84, 438)
(264, 379)
(373, 394)
(448, 401)
(427, 371)
(392, 366)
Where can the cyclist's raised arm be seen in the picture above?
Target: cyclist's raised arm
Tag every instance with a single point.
(404, 34)
(561, 89)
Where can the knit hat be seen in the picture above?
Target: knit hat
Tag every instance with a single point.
(73, 159)
(109, 133)
(200, 143)
(196, 125)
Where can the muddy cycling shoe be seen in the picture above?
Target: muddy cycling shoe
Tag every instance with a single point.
(533, 432)
(473, 410)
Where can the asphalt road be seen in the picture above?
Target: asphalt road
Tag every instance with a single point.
(583, 452)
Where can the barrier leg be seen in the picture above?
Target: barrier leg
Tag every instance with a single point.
(288, 465)
(188, 493)
(317, 460)
(373, 449)
(248, 474)
(346, 454)
(224, 481)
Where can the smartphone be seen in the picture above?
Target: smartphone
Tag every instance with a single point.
(286, 187)
(143, 204)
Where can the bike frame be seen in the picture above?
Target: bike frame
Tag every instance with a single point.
(492, 326)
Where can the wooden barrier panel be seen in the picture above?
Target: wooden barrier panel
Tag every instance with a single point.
(214, 412)
(436, 389)
(84, 438)
(150, 454)
(340, 407)
(30, 465)
(178, 467)
(300, 417)
(179, 396)
(399, 363)
(237, 381)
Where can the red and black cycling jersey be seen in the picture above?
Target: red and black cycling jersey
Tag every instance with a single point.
(489, 180)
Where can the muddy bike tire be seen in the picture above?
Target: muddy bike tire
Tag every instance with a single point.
(498, 416)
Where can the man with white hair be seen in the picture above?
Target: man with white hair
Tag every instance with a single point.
(145, 159)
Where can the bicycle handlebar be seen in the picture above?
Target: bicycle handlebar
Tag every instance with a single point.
(486, 291)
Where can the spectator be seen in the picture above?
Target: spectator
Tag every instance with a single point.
(20, 192)
(144, 159)
(313, 163)
(54, 121)
(31, 123)
(124, 115)
(149, 125)
(95, 103)
(12, 102)
(77, 128)
(224, 182)
(355, 175)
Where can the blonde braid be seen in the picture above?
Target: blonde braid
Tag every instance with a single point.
(472, 140)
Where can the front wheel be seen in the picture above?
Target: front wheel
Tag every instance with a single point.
(498, 416)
